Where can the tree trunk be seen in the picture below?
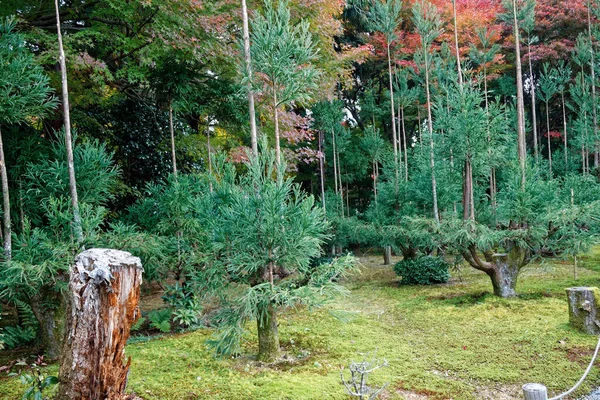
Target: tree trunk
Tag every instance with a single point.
(593, 77)
(536, 141)
(268, 336)
(394, 133)
(522, 150)
(6, 203)
(77, 228)
(48, 306)
(503, 269)
(459, 69)
(276, 114)
(562, 94)
(504, 276)
(468, 206)
(405, 146)
(408, 253)
(322, 169)
(172, 131)
(548, 133)
(105, 290)
(335, 179)
(583, 309)
(248, 64)
(436, 213)
(387, 255)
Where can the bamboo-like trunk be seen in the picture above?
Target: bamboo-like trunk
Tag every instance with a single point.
(77, 228)
(460, 77)
(172, 131)
(405, 146)
(339, 168)
(322, 169)
(562, 94)
(276, 115)
(6, 204)
(593, 76)
(536, 140)
(394, 133)
(548, 134)
(248, 65)
(436, 213)
(522, 150)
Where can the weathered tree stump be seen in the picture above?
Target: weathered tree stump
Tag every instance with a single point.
(535, 391)
(583, 309)
(104, 289)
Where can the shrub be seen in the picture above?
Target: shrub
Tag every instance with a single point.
(426, 270)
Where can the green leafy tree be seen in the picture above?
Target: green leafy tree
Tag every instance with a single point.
(384, 17)
(282, 56)
(264, 232)
(24, 94)
(548, 87)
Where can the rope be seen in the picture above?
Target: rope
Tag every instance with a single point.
(585, 374)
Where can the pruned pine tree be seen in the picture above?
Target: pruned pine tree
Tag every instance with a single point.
(282, 55)
(429, 27)
(77, 228)
(384, 17)
(24, 93)
(580, 92)
(264, 231)
(374, 147)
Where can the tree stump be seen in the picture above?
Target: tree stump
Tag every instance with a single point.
(104, 287)
(535, 391)
(583, 309)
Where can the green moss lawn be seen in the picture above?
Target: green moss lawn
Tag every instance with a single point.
(453, 341)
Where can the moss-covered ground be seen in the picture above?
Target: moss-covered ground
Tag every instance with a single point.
(452, 341)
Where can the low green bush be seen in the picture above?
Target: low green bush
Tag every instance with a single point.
(426, 270)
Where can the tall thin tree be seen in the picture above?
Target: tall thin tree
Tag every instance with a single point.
(248, 65)
(428, 26)
(77, 228)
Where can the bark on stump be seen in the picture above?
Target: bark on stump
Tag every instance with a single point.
(583, 309)
(104, 293)
(535, 391)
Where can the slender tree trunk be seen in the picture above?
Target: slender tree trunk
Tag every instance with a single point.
(536, 141)
(394, 133)
(6, 204)
(335, 179)
(339, 169)
(248, 62)
(522, 149)
(77, 228)
(21, 210)
(405, 146)
(268, 336)
(459, 69)
(277, 148)
(468, 203)
(322, 169)
(593, 76)
(172, 131)
(436, 213)
(548, 133)
(562, 95)
(387, 255)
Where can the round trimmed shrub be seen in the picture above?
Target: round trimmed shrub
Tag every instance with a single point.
(426, 270)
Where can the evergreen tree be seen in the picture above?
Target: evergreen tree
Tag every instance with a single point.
(24, 93)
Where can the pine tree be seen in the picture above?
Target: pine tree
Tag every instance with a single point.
(282, 54)
(24, 93)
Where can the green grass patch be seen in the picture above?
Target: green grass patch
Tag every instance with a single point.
(454, 340)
